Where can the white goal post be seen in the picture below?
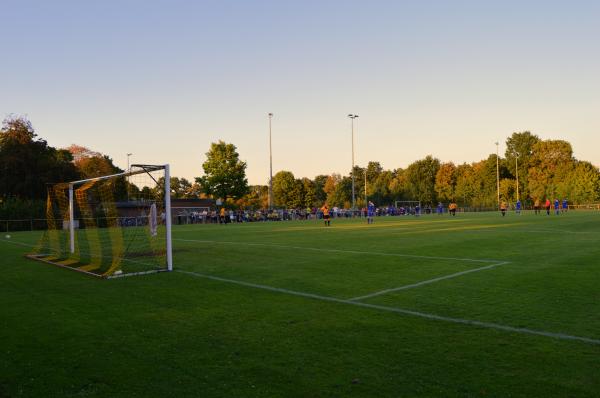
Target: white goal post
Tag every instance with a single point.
(118, 224)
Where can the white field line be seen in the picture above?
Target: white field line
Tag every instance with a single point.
(318, 249)
(487, 325)
(427, 282)
(560, 231)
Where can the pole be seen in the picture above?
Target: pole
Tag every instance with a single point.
(127, 178)
(71, 220)
(353, 184)
(498, 172)
(352, 117)
(517, 173)
(270, 165)
(365, 186)
(168, 217)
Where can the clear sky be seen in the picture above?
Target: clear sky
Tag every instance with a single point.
(164, 79)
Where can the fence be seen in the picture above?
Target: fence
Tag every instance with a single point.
(40, 224)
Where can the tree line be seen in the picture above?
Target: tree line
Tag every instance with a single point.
(545, 169)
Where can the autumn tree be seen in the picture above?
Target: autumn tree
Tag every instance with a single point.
(445, 182)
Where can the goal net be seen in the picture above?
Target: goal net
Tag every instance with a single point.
(407, 204)
(110, 226)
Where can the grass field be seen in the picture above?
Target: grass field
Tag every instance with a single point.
(476, 305)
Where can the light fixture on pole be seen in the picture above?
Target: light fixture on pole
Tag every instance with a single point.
(498, 172)
(270, 165)
(128, 155)
(352, 117)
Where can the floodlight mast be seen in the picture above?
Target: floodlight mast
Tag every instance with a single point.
(352, 117)
(517, 172)
(270, 165)
(498, 172)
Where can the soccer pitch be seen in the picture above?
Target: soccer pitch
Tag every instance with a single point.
(476, 305)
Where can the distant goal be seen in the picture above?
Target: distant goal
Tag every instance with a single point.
(110, 226)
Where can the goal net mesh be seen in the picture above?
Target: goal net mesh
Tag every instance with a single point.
(118, 228)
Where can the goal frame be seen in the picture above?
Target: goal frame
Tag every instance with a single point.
(413, 202)
(143, 168)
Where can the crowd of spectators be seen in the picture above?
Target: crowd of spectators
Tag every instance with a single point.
(222, 215)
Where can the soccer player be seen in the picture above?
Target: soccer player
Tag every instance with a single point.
(440, 208)
(518, 207)
(503, 207)
(536, 206)
(547, 205)
(417, 210)
(452, 209)
(326, 219)
(370, 212)
(565, 205)
(222, 215)
(556, 207)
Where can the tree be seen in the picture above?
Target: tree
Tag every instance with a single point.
(309, 190)
(320, 194)
(256, 198)
(225, 173)
(583, 184)
(27, 163)
(374, 169)
(379, 191)
(466, 185)
(421, 179)
(551, 163)
(96, 166)
(342, 194)
(522, 144)
(398, 186)
(287, 190)
(331, 184)
(445, 182)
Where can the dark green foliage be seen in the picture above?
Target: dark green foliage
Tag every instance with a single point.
(225, 173)
(28, 164)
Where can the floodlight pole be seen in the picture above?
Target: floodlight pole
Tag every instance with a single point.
(498, 172)
(517, 172)
(352, 117)
(270, 165)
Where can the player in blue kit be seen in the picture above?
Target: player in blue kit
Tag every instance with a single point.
(565, 205)
(518, 207)
(440, 208)
(556, 207)
(370, 212)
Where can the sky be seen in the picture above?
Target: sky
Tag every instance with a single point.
(164, 79)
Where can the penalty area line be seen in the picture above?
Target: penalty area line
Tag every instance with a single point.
(426, 282)
(486, 325)
(319, 249)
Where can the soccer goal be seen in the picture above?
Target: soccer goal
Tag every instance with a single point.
(407, 204)
(110, 226)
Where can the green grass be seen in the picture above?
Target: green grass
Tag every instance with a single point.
(177, 334)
